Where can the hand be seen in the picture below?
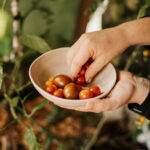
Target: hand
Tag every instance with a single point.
(128, 89)
(102, 46)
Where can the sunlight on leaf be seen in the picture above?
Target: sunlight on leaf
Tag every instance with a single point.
(31, 140)
(34, 42)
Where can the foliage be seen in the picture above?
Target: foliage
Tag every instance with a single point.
(34, 42)
(44, 25)
(31, 140)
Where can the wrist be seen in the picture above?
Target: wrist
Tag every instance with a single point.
(137, 32)
(126, 33)
(142, 88)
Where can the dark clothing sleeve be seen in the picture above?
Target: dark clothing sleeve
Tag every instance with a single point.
(143, 109)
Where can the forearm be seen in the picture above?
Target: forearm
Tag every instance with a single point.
(137, 32)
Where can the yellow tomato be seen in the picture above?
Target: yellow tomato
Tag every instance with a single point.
(146, 53)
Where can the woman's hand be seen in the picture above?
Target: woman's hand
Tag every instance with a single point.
(128, 89)
(104, 45)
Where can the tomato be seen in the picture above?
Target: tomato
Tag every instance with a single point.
(85, 94)
(80, 80)
(51, 79)
(61, 80)
(59, 93)
(87, 65)
(71, 91)
(82, 71)
(146, 53)
(79, 87)
(95, 90)
(51, 89)
(48, 83)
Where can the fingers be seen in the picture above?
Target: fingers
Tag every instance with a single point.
(78, 61)
(93, 69)
(81, 108)
(96, 106)
(71, 53)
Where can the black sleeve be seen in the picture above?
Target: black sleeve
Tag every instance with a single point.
(143, 109)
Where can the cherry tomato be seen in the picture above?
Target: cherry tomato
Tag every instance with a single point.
(51, 89)
(146, 53)
(48, 83)
(79, 87)
(87, 65)
(51, 79)
(61, 80)
(59, 93)
(82, 71)
(71, 91)
(95, 90)
(90, 60)
(80, 80)
(85, 94)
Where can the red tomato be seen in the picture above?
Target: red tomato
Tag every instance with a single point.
(95, 90)
(82, 71)
(87, 65)
(51, 89)
(79, 87)
(85, 94)
(90, 60)
(59, 93)
(80, 80)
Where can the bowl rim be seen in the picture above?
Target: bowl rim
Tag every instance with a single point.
(40, 90)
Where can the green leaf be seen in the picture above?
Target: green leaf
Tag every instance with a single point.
(142, 12)
(34, 42)
(25, 6)
(31, 140)
(48, 141)
(15, 101)
(37, 107)
(1, 74)
(54, 112)
(64, 17)
(5, 46)
(35, 23)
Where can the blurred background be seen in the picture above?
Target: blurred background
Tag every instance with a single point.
(29, 28)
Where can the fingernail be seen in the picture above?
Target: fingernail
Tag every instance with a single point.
(88, 80)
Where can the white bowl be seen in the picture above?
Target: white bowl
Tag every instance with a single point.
(54, 63)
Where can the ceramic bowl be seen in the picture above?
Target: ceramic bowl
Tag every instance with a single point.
(54, 63)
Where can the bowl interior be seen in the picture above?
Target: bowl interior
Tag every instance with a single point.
(54, 63)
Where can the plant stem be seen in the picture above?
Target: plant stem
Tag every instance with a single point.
(24, 86)
(4, 3)
(95, 136)
(12, 110)
(131, 59)
(9, 124)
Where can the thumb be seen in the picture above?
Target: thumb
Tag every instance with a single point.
(93, 69)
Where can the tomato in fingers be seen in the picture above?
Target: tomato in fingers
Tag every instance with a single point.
(85, 94)
(80, 80)
(95, 90)
(82, 72)
(87, 65)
